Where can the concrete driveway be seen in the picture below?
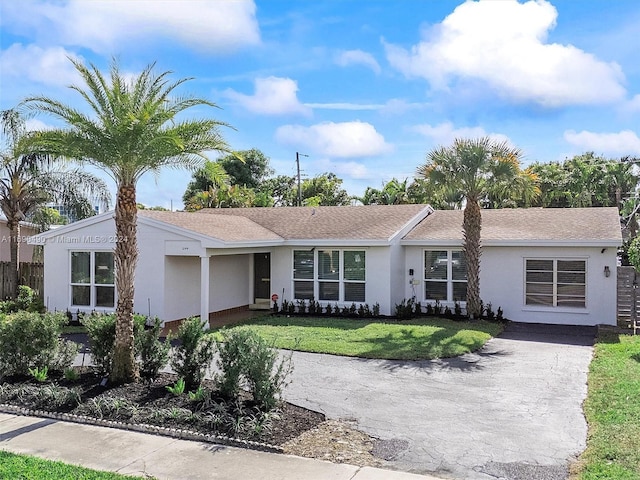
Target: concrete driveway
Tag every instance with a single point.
(512, 410)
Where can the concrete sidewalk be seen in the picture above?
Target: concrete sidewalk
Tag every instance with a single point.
(133, 453)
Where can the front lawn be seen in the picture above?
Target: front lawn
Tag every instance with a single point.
(424, 338)
(612, 409)
(25, 467)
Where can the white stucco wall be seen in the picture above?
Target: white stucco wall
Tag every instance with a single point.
(502, 275)
(229, 281)
(181, 287)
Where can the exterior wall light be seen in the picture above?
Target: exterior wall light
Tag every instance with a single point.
(607, 271)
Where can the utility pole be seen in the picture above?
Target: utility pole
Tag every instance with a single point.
(298, 155)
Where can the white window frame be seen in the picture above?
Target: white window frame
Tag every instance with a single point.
(92, 281)
(449, 280)
(341, 281)
(555, 261)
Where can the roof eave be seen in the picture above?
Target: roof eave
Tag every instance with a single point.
(517, 243)
(337, 242)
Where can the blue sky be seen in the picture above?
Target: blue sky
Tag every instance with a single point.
(364, 88)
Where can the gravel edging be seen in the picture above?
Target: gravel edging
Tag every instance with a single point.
(182, 434)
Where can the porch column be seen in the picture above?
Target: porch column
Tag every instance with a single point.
(204, 290)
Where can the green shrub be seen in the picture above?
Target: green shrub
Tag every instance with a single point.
(101, 330)
(245, 358)
(194, 354)
(405, 309)
(39, 374)
(26, 300)
(31, 340)
(232, 352)
(154, 354)
(176, 389)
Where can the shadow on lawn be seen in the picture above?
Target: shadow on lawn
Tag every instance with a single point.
(447, 350)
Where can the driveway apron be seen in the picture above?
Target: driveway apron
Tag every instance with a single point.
(512, 410)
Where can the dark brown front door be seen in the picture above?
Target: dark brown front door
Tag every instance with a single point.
(262, 275)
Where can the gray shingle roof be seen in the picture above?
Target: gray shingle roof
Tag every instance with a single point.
(526, 225)
(369, 222)
(227, 228)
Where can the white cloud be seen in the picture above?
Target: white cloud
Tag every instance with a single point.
(273, 96)
(503, 43)
(633, 105)
(48, 66)
(398, 106)
(343, 169)
(107, 25)
(445, 133)
(621, 143)
(342, 140)
(358, 57)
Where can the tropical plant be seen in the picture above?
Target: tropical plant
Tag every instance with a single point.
(473, 167)
(136, 128)
(29, 180)
(194, 353)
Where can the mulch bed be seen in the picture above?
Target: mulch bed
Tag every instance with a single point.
(153, 404)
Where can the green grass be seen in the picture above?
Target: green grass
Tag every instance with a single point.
(387, 339)
(612, 409)
(25, 467)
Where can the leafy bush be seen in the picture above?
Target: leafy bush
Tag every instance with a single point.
(26, 300)
(194, 354)
(245, 358)
(101, 330)
(31, 340)
(405, 309)
(154, 354)
(634, 253)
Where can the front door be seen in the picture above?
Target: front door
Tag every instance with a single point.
(262, 275)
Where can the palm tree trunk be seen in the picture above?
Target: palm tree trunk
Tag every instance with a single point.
(471, 225)
(14, 259)
(126, 257)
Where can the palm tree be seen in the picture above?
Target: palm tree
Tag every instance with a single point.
(471, 167)
(29, 181)
(134, 130)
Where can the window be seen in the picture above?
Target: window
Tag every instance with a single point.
(556, 283)
(329, 275)
(92, 279)
(303, 274)
(445, 275)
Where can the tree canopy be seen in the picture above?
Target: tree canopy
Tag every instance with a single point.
(135, 126)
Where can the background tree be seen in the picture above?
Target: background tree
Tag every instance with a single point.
(29, 181)
(324, 189)
(136, 128)
(249, 172)
(472, 167)
(586, 180)
(210, 175)
(394, 192)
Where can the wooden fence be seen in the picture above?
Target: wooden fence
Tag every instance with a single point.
(628, 297)
(30, 274)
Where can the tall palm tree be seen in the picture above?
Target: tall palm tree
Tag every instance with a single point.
(134, 129)
(29, 181)
(471, 167)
